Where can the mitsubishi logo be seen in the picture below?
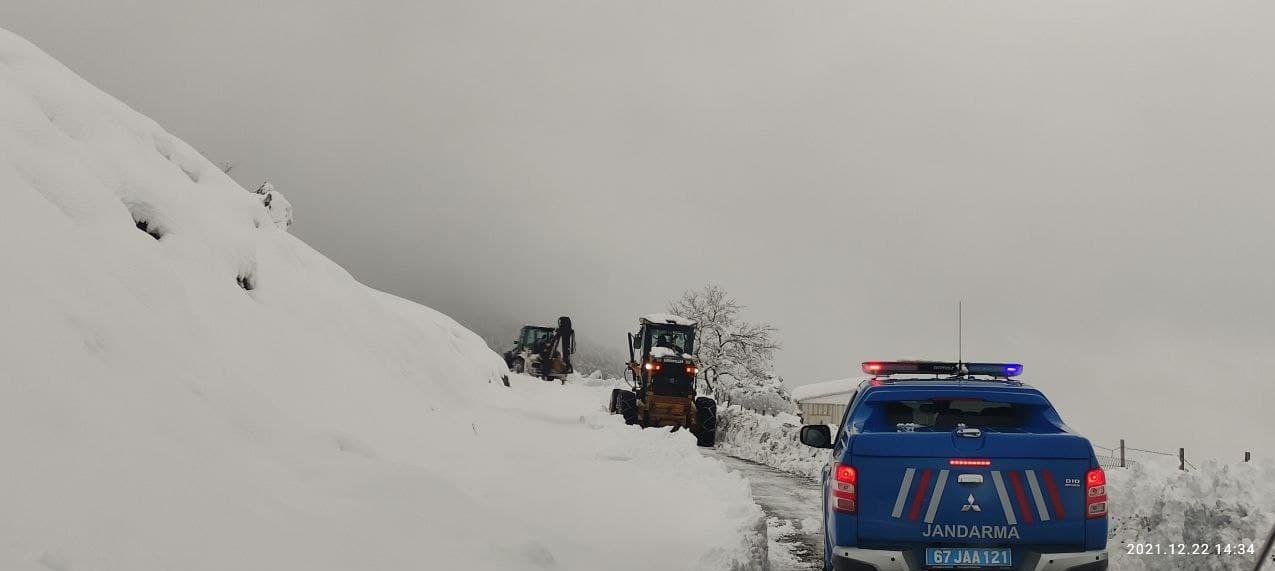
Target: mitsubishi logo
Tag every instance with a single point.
(970, 505)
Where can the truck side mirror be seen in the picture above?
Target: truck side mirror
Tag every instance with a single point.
(816, 436)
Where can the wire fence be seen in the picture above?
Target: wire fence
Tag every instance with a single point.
(1123, 456)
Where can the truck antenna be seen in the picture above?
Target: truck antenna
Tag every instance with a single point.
(960, 331)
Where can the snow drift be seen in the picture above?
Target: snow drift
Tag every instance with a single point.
(1152, 502)
(185, 385)
(769, 440)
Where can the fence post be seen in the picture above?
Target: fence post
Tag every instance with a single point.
(1122, 465)
(1182, 459)
(1248, 455)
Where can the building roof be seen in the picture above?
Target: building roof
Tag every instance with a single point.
(826, 388)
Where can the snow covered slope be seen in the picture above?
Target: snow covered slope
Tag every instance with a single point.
(185, 385)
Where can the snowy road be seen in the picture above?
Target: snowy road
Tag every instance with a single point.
(792, 506)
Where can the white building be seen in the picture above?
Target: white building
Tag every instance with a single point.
(824, 403)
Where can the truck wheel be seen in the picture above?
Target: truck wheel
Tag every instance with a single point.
(626, 405)
(519, 366)
(705, 421)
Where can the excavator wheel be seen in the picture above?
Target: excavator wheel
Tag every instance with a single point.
(706, 421)
(626, 405)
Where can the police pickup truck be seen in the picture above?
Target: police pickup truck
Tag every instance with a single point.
(940, 465)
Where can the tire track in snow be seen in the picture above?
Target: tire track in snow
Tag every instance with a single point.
(793, 508)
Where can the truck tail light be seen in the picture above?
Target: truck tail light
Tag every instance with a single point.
(969, 463)
(845, 495)
(1095, 494)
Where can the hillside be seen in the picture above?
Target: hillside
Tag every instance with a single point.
(186, 385)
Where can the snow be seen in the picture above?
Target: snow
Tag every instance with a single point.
(1218, 503)
(278, 207)
(769, 440)
(806, 393)
(766, 394)
(665, 352)
(793, 508)
(669, 318)
(211, 393)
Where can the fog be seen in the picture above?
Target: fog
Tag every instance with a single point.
(1091, 178)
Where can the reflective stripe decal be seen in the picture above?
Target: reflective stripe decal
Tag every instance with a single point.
(1025, 509)
(1036, 495)
(938, 495)
(1053, 494)
(921, 488)
(903, 493)
(1000, 492)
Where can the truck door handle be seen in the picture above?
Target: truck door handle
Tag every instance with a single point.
(969, 479)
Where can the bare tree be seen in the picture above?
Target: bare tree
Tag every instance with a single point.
(729, 349)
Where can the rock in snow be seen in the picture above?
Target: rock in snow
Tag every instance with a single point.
(183, 386)
(279, 208)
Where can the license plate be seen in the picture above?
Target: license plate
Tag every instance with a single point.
(951, 558)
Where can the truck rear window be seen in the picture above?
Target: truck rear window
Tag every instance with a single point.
(946, 414)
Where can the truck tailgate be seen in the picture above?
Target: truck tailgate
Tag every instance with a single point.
(1003, 489)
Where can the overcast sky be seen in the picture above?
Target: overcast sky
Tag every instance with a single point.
(1093, 178)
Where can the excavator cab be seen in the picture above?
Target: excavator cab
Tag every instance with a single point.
(533, 337)
(668, 367)
(543, 352)
(680, 339)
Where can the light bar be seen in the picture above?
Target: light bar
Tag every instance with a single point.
(913, 367)
(969, 462)
(886, 368)
(995, 369)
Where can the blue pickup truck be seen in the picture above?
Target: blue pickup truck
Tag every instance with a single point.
(940, 465)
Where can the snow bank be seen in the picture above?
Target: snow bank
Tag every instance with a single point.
(185, 385)
(766, 394)
(770, 440)
(1154, 502)
(600, 487)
